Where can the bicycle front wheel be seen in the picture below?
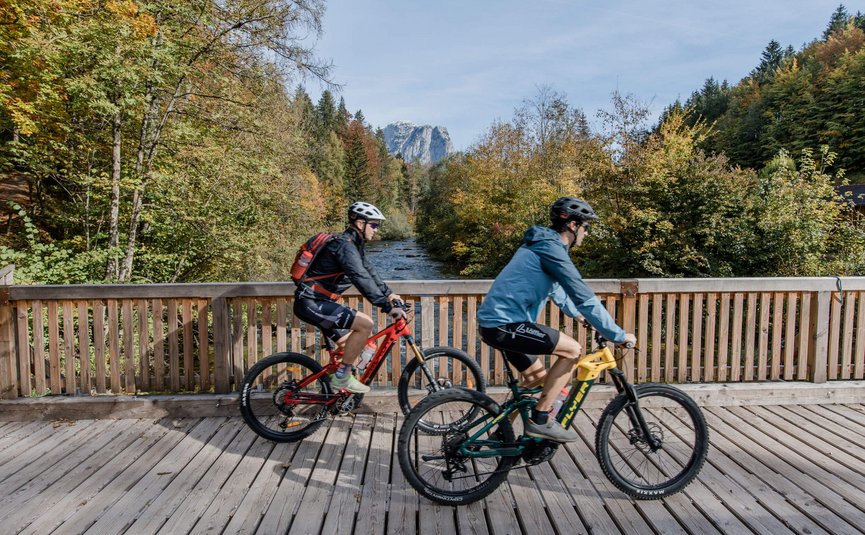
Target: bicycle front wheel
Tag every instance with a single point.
(449, 468)
(442, 368)
(676, 423)
(274, 406)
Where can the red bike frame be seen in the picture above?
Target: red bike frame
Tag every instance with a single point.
(391, 334)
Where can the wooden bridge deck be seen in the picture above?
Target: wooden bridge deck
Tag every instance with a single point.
(771, 469)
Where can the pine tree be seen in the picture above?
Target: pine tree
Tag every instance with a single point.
(837, 22)
(325, 115)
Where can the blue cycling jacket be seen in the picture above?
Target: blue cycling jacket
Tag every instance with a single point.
(541, 269)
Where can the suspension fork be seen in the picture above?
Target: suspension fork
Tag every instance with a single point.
(419, 356)
(635, 413)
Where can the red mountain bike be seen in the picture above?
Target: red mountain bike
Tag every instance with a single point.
(287, 396)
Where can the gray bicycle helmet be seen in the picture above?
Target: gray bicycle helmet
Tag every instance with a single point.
(365, 211)
(571, 209)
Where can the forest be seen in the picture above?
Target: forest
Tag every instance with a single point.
(153, 141)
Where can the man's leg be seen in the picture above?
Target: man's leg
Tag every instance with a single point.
(567, 352)
(361, 329)
(534, 376)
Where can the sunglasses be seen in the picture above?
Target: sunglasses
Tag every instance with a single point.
(373, 225)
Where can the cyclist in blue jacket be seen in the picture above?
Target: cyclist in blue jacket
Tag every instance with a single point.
(541, 269)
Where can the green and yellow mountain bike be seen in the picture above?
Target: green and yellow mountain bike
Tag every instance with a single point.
(651, 441)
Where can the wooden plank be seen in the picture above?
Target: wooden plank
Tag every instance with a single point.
(69, 348)
(818, 345)
(118, 517)
(267, 330)
(54, 348)
(772, 490)
(26, 454)
(763, 348)
(128, 347)
(642, 340)
(682, 362)
(182, 502)
(144, 347)
(238, 368)
(188, 349)
(795, 461)
(255, 501)
(173, 349)
(458, 371)
(144, 435)
(346, 493)
(295, 333)
(669, 339)
(373, 502)
(657, 327)
(320, 486)
(119, 502)
(114, 347)
(39, 348)
(804, 337)
(750, 336)
(221, 346)
(834, 335)
(99, 345)
(427, 327)
(696, 362)
(790, 336)
(403, 499)
(382, 375)
(484, 360)
(25, 383)
(8, 372)
(859, 357)
(847, 338)
(711, 322)
(296, 470)
(84, 347)
(158, 345)
(61, 471)
(629, 324)
(777, 330)
(281, 326)
(736, 339)
(203, 344)
(845, 436)
(530, 504)
(559, 506)
(252, 332)
(724, 337)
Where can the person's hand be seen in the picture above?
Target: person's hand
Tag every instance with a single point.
(629, 342)
(397, 313)
(394, 297)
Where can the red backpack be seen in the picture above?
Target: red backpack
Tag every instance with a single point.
(307, 254)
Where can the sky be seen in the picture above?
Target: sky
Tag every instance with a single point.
(465, 64)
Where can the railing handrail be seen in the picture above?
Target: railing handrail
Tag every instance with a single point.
(421, 288)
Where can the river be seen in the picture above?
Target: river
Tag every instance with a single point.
(405, 260)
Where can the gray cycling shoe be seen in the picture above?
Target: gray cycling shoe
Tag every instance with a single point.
(552, 430)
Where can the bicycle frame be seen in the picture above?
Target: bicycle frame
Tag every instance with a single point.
(390, 334)
(588, 370)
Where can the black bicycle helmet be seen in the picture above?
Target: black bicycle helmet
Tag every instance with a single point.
(571, 209)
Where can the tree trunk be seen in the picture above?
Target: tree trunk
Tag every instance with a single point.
(114, 220)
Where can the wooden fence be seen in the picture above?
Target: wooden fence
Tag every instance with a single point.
(164, 338)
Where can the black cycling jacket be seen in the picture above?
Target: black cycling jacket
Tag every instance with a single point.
(344, 254)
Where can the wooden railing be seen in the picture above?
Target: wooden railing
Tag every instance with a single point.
(203, 337)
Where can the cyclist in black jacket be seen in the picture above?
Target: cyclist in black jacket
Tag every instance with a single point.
(337, 266)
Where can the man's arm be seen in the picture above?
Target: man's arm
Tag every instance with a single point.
(356, 271)
(385, 289)
(559, 266)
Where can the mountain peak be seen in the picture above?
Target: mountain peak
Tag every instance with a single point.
(426, 144)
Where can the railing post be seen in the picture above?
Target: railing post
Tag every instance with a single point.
(8, 377)
(221, 345)
(819, 347)
(629, 290)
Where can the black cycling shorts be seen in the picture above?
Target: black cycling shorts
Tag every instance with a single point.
(333, 319)
(520, 342)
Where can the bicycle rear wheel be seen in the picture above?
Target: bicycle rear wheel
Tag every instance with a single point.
(434, 465)
(448, 367)
(627, 459)
(271, 402)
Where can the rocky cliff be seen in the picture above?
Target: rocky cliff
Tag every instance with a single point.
(426, 144)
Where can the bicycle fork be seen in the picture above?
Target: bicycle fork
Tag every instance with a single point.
(635, 414)
(434, 386)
